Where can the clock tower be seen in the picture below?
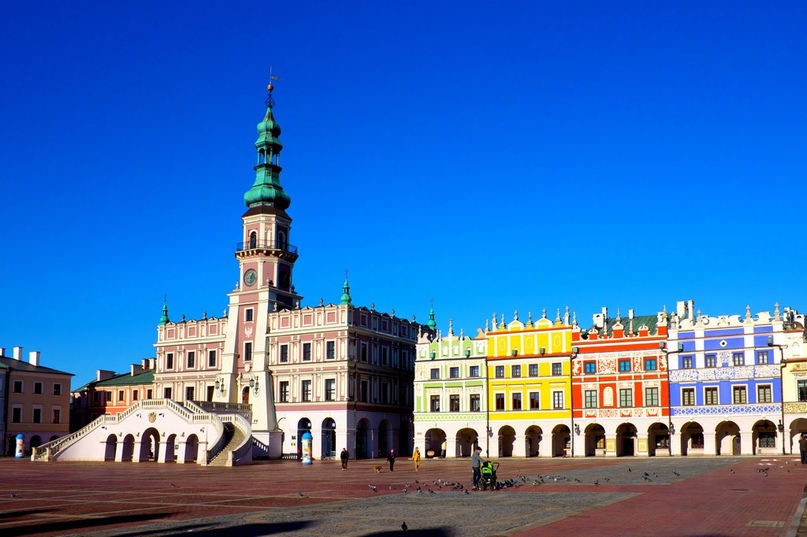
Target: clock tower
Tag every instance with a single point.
(265, 262)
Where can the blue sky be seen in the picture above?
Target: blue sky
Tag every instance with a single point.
(491, 157)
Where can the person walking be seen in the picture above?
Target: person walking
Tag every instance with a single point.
(476, 466)
(443, 450)
(803, 448)
(345, 456)
(416, 458)
(391, 459)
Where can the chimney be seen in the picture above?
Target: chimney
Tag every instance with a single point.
(691, 306)
(135, 369)
(33, 358)
(18, 353)
(152, 363)
(103, 374)
(2, 351)
(681, 309)
(630, 314)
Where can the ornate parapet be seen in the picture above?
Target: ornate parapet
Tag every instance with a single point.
(638, 412)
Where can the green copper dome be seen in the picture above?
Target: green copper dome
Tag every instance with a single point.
(432, 324)
(266, 189)
(164, 317)
(346, 294)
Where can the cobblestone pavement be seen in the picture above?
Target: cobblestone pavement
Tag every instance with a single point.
(626, 496)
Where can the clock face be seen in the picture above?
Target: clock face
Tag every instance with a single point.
(250, 277)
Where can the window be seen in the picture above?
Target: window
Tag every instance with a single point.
(384, 356)
(762, 357)
(767, 440)
(474, 370)
(686, 362)
(454, 403)
(499, 401)
(211, 358)
(434, 403)
(475, 402)
(435, 374)
(591, 398)
(590, 367)
(365, 392)
(306, 352)
(37, 415)
(120, 395)
(516, 401)
(624, 366)
(710, 396)
(248, 351)
(166, 393)
(248, 315)
(134, 395)
(557, 369)
(191, 360)
(738, 358)
(330, 350)
(169, 360)
(739, 395)
(711, 360)
(284, 391)
(533, 370)
(17, 386)
(189, 393)
(38, 388)
(764, 394)
(16, 414)
(499, 371)
(96, 397)
(650, 364)
(57, 415)
(802, 387)
(557, 400)
(535, 401)
(284, 354)
(515, 371)
(688, 396)
(330, 389)
(454, 372)
(696, 441)
(149, 394)
(625, 397)
(305, 390)
(651, 396)
(109, 397)
(364, 352)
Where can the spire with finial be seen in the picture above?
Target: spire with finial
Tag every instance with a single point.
(748, 311)
(164, 317)
(776, 312)
(431, 323)
(557, 317)
(266, 189)
(346, 300)
(529, 319)
(451, 327)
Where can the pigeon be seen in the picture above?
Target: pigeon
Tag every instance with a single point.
(629, 470)
(404, 526)
(12, 495)
(301, 495)
(372, 487)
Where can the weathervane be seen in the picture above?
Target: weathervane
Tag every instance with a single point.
(269, 101)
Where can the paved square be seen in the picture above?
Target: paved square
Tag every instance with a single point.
(598, 497)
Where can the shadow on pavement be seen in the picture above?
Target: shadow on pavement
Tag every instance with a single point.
(33, 529)
(245, 530)
(21, 514)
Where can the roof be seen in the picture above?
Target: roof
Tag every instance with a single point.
(20, 365)
(124, 379)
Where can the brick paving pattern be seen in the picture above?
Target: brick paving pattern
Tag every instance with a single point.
(723, 496)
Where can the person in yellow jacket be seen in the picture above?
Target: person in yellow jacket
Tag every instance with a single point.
(416, 458)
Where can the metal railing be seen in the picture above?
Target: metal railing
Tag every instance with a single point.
(266, 245)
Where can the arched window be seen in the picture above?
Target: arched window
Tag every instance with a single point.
(253, 240)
